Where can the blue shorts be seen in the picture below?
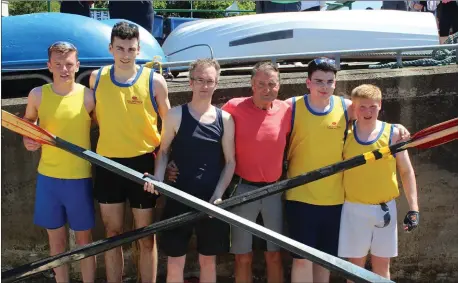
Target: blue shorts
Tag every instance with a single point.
(316, 226)
(60, 200)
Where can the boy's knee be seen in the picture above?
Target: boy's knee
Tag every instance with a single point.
(83, 237)
(273, 257)
(207, 261)
(146, 244)
(244, 259)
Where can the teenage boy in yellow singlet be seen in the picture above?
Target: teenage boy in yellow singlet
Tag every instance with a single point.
(369, 217)
(129, 101)
(64, 183)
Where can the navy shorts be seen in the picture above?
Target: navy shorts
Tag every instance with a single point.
(212, 234)
(59, 201)
(316, 226)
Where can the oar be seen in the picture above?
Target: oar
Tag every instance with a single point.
(338, 265)
(442, 132)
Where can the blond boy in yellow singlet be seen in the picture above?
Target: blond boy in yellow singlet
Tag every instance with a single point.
(64, 183)
(369, 217)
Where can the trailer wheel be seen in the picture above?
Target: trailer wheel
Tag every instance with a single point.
(175, 73)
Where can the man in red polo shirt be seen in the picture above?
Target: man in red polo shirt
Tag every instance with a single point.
(262, 125)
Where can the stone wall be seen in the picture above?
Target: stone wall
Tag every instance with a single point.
(417, 98)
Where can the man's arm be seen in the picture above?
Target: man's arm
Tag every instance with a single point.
(31, 115)
(170, 126)
(169, 130)
(89, 104)
(407, 174)
(228, 144)
(92, 80)
(161, 93)
(412, 218)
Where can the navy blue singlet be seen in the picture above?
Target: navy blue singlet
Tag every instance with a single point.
(198, 153)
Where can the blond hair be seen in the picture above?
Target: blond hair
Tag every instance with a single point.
(367, 91)
(207, 62)
(62, 47)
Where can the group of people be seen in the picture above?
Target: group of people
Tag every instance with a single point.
(445, 11)
(139, 12)
(202, 149)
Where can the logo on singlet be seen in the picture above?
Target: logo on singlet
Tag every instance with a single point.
(134, 100)
(333, 125)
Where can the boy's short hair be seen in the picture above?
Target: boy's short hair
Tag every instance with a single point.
(62, 47)
(321, 64)
(206, 62)
(367, 91)
(125, 30)
(265, 66)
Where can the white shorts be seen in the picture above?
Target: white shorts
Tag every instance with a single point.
(358, 233)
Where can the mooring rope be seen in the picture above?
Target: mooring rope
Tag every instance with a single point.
(440, 57)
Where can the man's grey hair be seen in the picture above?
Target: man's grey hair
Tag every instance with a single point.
(265, 66)
(207, 62)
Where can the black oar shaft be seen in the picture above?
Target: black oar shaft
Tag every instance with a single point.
(109, 243)
(335, 264)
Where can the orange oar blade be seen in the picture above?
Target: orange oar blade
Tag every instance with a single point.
(25, 128)
(436, 128)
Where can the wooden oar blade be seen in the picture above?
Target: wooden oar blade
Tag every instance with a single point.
(25, 128)
(436, 128)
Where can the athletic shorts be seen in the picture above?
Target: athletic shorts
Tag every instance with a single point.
(358, 233)
(58, 201)
(113, 188)
(272, 216)
(316, 226)
(212, 234)
(448, 18)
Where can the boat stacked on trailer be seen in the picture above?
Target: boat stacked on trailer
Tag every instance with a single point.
(299, 32)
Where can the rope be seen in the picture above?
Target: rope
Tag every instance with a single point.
(438, 58)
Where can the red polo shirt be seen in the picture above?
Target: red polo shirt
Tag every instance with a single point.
(260, 138)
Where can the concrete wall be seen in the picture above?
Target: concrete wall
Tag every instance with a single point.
(417, 98)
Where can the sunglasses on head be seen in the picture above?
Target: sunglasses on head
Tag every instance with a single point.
(324, 60)
(133, 26)
(386, 216)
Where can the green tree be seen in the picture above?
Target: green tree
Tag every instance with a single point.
(30, 7)
(202, 5)
(101, 4)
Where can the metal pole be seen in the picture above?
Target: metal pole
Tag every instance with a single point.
(191, 9)
(49, 5)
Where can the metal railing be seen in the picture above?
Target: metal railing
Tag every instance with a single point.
(188, 10)
(336, 54)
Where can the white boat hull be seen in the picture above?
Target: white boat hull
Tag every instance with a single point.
(300, 32)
